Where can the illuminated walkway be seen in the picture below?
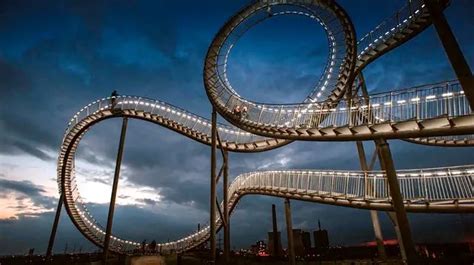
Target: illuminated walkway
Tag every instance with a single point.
(437, 114)
(425, 190)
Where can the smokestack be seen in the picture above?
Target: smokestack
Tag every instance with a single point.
(275, 232)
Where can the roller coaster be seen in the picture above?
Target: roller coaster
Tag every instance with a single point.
(337, 109)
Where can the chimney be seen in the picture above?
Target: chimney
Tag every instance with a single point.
(275, 231)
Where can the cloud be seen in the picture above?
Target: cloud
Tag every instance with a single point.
(25, 187)
(23, 198)
(148, 201)
(33, 151)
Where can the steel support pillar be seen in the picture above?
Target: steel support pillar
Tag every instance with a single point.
(386, 160)
(225, 187)
(373, 214)
(52, 237)
(393, 218)
(452, 49)
(113, 196)
(212, 221)
(378, 234)
(289, 231)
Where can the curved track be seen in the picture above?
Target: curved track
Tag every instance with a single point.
(429, 114)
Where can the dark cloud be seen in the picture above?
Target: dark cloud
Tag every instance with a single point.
(25, 187)
(32, 151)
(25, 135)
(148, 201)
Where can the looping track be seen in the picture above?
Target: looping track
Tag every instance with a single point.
(436, 114)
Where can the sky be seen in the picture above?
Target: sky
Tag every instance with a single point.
(58, 56)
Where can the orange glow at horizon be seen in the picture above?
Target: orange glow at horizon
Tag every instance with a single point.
(13, 205)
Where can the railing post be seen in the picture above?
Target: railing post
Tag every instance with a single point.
(390, 108)
(113, 196)
(308, 183)
(331, 185)
(260, 114)
(375, 186)
(346, 186)
(366, 185)
(425, 189)
(350, 112)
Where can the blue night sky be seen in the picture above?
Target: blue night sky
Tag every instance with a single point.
(58, 56)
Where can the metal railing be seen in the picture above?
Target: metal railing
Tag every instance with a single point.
(468, 138)
(417, 185)
(419, 103)
(390, 26)
(435, 185)
(228, 133)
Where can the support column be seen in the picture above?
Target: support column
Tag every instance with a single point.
(110, 217)
(226, 209)
(386, 160)
(289, 231)
(378, 234)
(52, 237)
(212, 221)
(393, 218)
(452, 49)
(373, 214)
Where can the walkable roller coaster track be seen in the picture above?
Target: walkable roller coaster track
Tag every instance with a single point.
(435, 114)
